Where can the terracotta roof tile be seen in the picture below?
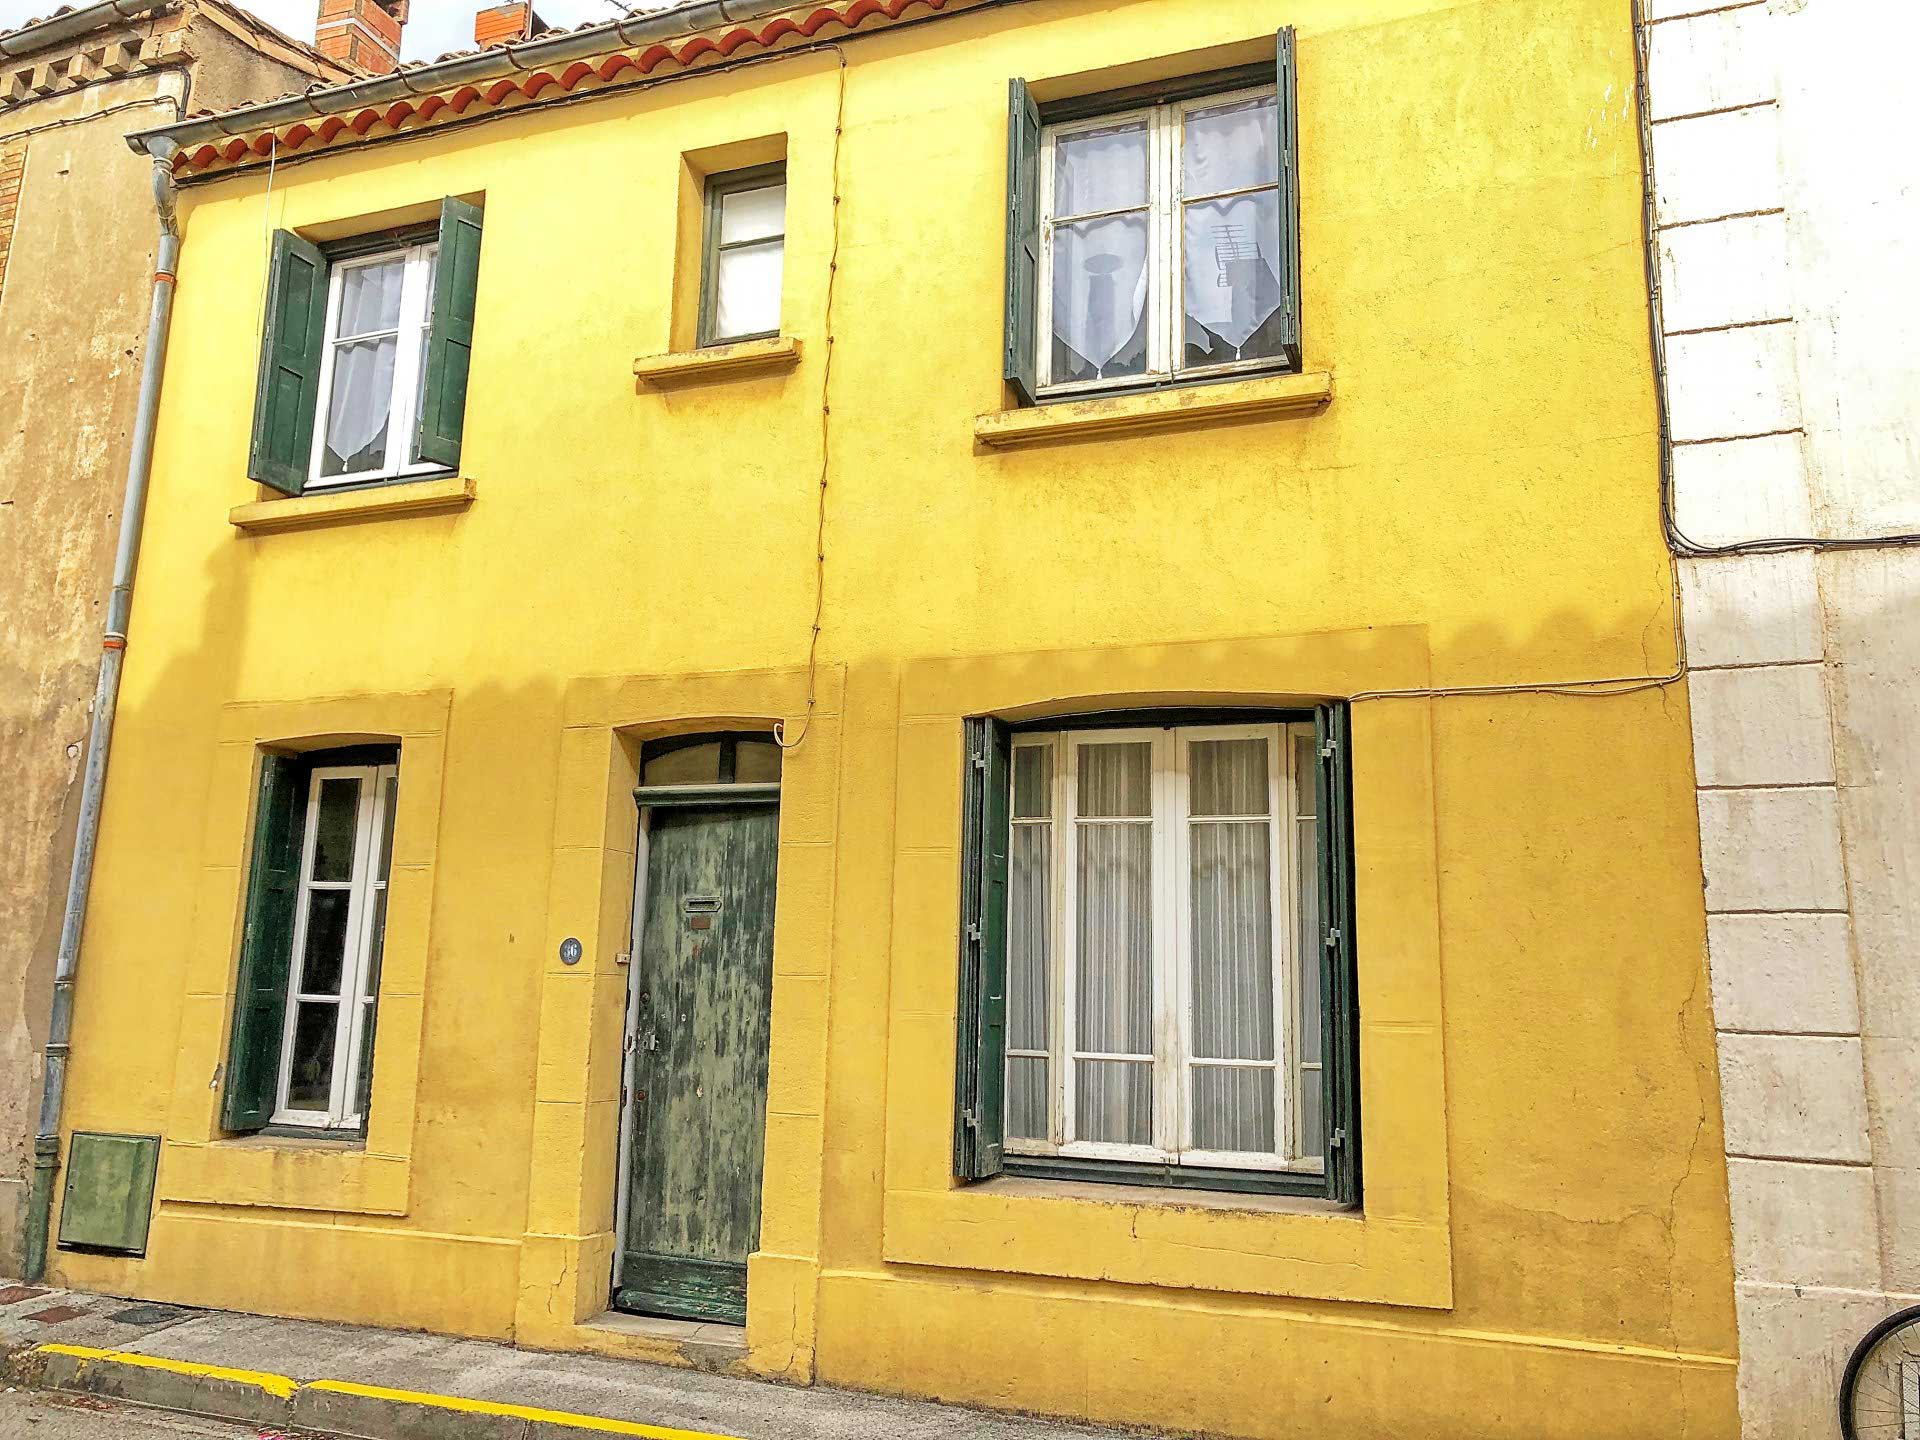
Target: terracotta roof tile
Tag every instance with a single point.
(611, 69)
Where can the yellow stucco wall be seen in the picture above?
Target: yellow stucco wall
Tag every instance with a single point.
(1543, 1249)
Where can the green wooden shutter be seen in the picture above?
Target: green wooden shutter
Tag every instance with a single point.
(288, 393)
(981, 1062)
(1340, 1019)
(266, 949)
(1023, 242)
(443, 400)
(1289, 107)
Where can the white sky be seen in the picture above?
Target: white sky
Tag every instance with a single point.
(436, 26)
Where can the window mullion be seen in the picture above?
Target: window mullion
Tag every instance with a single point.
(1043, 285)
(346, 1013)
(1161, 276)
(327, 361)
(1070, 948)
(296, 963)
(1286, 927)
(1057, 921)
(353, 996)
(415, 307)
(1169, 987)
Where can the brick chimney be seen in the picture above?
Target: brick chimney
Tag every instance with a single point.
(507, 25)
(364, 34)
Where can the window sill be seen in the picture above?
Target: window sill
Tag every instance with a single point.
(1163, 1197)
(1134, 1177)
(1271, 397)
(300, 512)
(288, 1138)
(716, 362)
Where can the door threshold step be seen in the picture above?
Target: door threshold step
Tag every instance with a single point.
(703, 1344)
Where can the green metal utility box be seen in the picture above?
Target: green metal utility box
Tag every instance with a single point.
(109, 1197)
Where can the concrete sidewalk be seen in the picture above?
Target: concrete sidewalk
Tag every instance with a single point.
(387, 1385)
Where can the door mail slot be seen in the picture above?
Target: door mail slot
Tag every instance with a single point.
(700, 910)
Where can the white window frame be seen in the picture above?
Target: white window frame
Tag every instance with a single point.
(1166, 238)
(1172, 1008)
(414, 332)
(354, 1005)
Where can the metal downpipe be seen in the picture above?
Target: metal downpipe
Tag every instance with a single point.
(46, 1143)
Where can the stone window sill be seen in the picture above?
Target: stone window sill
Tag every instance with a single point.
(1270, 397)
(1164, 1197)
(300, 512)
(716, 362)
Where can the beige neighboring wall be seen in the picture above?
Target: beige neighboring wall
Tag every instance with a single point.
(77, 237)
(1793, 388)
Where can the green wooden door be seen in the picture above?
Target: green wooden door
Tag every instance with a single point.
(697, 1088)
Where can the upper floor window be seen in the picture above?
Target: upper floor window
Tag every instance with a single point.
(379, 322)
(363, 372)
(1156, 956)
(1154, 237)
(746, 255)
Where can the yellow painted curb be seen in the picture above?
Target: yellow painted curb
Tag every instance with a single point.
(283, 1387)
(279, 1386)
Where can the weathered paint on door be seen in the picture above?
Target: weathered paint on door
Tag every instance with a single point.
(697, 1096)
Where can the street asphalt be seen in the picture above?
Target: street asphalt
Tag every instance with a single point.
(27, 1415)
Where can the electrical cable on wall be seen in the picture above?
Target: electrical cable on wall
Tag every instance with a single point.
(826, 437)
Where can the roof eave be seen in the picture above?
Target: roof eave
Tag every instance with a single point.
(58, 29)
(461, 70)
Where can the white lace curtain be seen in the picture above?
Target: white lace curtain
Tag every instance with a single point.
(1100, 273)
(362, 398)
(1232, 246)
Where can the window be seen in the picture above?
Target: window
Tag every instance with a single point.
(1154, 238)
(371, 397)
(1157, 982)
(746, 254)
(363, 373)
(722, 759)
(302, 1049)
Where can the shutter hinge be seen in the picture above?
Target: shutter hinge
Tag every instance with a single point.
(973, 932)
(979, 762)
(1333, 938)
(1338, 1140)
(971, 1117)
(1329, 749)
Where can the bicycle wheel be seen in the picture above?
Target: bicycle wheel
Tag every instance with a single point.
(1880, 1391)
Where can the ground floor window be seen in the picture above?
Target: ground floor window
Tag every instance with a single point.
(1157, 981)
(302, 1047)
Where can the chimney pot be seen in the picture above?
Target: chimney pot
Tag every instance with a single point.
(507, 25)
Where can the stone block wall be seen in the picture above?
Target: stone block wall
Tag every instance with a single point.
(1784, 233)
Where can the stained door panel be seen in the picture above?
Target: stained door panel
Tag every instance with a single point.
(698, 1083)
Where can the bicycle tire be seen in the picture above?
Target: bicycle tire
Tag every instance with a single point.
(1849, 1378)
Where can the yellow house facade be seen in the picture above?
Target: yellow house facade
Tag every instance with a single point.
(980, 683)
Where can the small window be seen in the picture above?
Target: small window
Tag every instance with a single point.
(363, 373)
(1154, 237)
(746, 251)
(1155, 918)
(725, 759)
(302, 1051)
